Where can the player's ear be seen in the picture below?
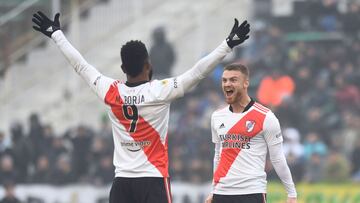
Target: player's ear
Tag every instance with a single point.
(246, 84)
(123, 69)
(147, 66)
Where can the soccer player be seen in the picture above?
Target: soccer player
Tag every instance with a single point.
(242, 132)
(139, 110)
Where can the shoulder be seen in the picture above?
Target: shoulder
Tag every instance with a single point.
(260, 108)
(164, 83)
(220, 111)
(264, 115)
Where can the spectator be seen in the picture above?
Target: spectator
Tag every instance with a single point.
(355, 159)
(314, 169)
(292, 143)
(104, 173)
(162, 54)
(35, 133)
(7, 171)
(275, 88)
(43, 172)
(351, 19)
(22, 152)
(10, 194)
(81, 142)
(4, 144)
(337, 168)
(313, 145)
(57, 149)
(63, 173)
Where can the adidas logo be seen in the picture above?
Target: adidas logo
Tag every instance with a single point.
(50, 29)
(236, 37)
(222, 126)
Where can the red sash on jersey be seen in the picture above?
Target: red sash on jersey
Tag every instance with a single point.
(250, 125)
(156, 152)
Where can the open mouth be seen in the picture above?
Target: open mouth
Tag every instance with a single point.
(228, 93)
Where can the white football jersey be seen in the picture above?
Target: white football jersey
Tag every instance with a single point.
(139, 117)
(242, 139)
(139, 113)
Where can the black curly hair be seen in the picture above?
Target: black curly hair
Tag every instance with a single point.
(133, 55)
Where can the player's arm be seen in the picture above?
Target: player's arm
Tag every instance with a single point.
(277, 157)
(207, 64)
(51, 28)
(172, 88)
(278, 161)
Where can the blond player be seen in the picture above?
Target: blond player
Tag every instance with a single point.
(243, 132)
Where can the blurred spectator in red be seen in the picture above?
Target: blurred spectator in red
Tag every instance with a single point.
(347, 95)
(275, 88)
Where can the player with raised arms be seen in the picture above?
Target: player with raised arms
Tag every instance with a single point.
(139, 109)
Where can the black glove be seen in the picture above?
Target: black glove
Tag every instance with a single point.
(238, 34)
(44, 24)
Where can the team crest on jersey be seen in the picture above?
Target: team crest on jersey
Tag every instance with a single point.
(249, 125)
(164, 82)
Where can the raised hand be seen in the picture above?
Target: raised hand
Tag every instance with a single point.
(238, 33)
(44, 25)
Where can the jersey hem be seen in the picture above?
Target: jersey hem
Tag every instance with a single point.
(130, 175)
(239, 193)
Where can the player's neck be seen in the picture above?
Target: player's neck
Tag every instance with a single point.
(238, 107)
(137, 79)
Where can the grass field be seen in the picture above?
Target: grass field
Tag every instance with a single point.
(317, 193)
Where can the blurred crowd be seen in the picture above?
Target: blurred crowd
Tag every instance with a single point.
(39, 156)
(312, 84)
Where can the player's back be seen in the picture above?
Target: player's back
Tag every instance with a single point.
(140, 114)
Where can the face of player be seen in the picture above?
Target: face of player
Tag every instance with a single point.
(234, 86)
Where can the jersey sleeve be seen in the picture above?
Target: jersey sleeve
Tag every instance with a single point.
(272, 130)
(97, 82)
(278, 160)
(202, 68)
(216, 161)
(172, 88)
